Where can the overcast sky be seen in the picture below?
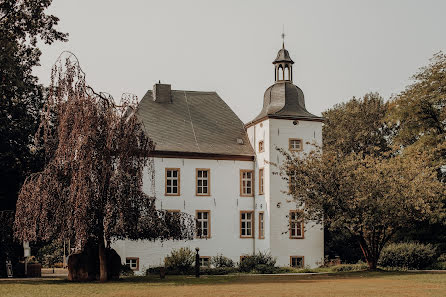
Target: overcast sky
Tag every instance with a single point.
(340, 48)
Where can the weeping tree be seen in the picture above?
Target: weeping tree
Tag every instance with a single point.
(367, 196)
(90, 189)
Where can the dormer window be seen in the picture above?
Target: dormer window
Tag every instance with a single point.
(295, 144)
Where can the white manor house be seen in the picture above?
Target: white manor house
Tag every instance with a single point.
(208, 163)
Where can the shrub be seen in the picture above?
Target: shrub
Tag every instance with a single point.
(408, 255)
(50, 254)
(349, 267)
(264, 269)
(306, 270)
(221, 261)
(180, 259)
(285, 269)
(250, 263)
(126, 271)
(440, 263)
(441, 258)
(218, 270)
(191, 271)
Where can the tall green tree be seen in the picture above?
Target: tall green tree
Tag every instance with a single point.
(22, 24)
(357, 126)
(419, 112)
(369, 196)
(419, 116)
(90, 189)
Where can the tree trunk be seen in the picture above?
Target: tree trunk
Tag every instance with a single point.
(103, 277)
(372, 264)
(369, 255)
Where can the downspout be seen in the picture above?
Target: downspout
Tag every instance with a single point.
(254, 194)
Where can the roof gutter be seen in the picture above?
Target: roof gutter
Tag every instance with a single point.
(195, 155)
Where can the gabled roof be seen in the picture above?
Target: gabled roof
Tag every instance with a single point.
(194, 122)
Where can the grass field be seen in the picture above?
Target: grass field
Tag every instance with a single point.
(339, 284)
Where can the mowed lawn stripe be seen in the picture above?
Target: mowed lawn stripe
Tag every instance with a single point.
(342, 284)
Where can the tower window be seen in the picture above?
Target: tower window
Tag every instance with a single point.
(261, 146)
(172, 182)
(261, 179)
(296, 225)
(261, 225)
(203, 182)
(295, 144)
(246, 183)
(286, 73)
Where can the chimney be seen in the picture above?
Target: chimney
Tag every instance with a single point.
(161, 93)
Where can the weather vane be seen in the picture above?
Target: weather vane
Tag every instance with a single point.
(283, 36)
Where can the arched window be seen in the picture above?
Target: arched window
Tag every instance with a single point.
(281, 73)
(286, 73)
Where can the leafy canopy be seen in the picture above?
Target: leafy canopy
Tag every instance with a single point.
(420, 110)
(357, 126)
(22, 24)
(91, 186)
(369, 196)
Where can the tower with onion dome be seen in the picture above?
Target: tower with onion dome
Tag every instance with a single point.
(284, 122)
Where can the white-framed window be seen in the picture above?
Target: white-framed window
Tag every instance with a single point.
(246, 182)
(205, 261)
(261, 225)
(203, 182)
(247, 224)
(203, 223)
(172, 182)
(296, 225)
(297, 261)
(132, 262)
(295, 144)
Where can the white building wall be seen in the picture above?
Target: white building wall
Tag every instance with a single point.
(311, 247)
(224, 203)
(275, 133)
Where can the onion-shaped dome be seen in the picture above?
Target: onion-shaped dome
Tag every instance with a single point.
(283, 56)
(285, 100)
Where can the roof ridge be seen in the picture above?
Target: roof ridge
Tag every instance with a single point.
(189, 91)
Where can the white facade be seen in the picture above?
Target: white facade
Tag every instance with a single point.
(197, 130)
(276, 134)
(225, 203)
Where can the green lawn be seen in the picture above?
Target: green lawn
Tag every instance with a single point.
(334, 284)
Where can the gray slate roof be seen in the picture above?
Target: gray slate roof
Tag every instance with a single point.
(194, 122)
(284, 100)
(283, 56)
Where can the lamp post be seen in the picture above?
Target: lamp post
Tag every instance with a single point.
(197, 262)
(26, 254)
